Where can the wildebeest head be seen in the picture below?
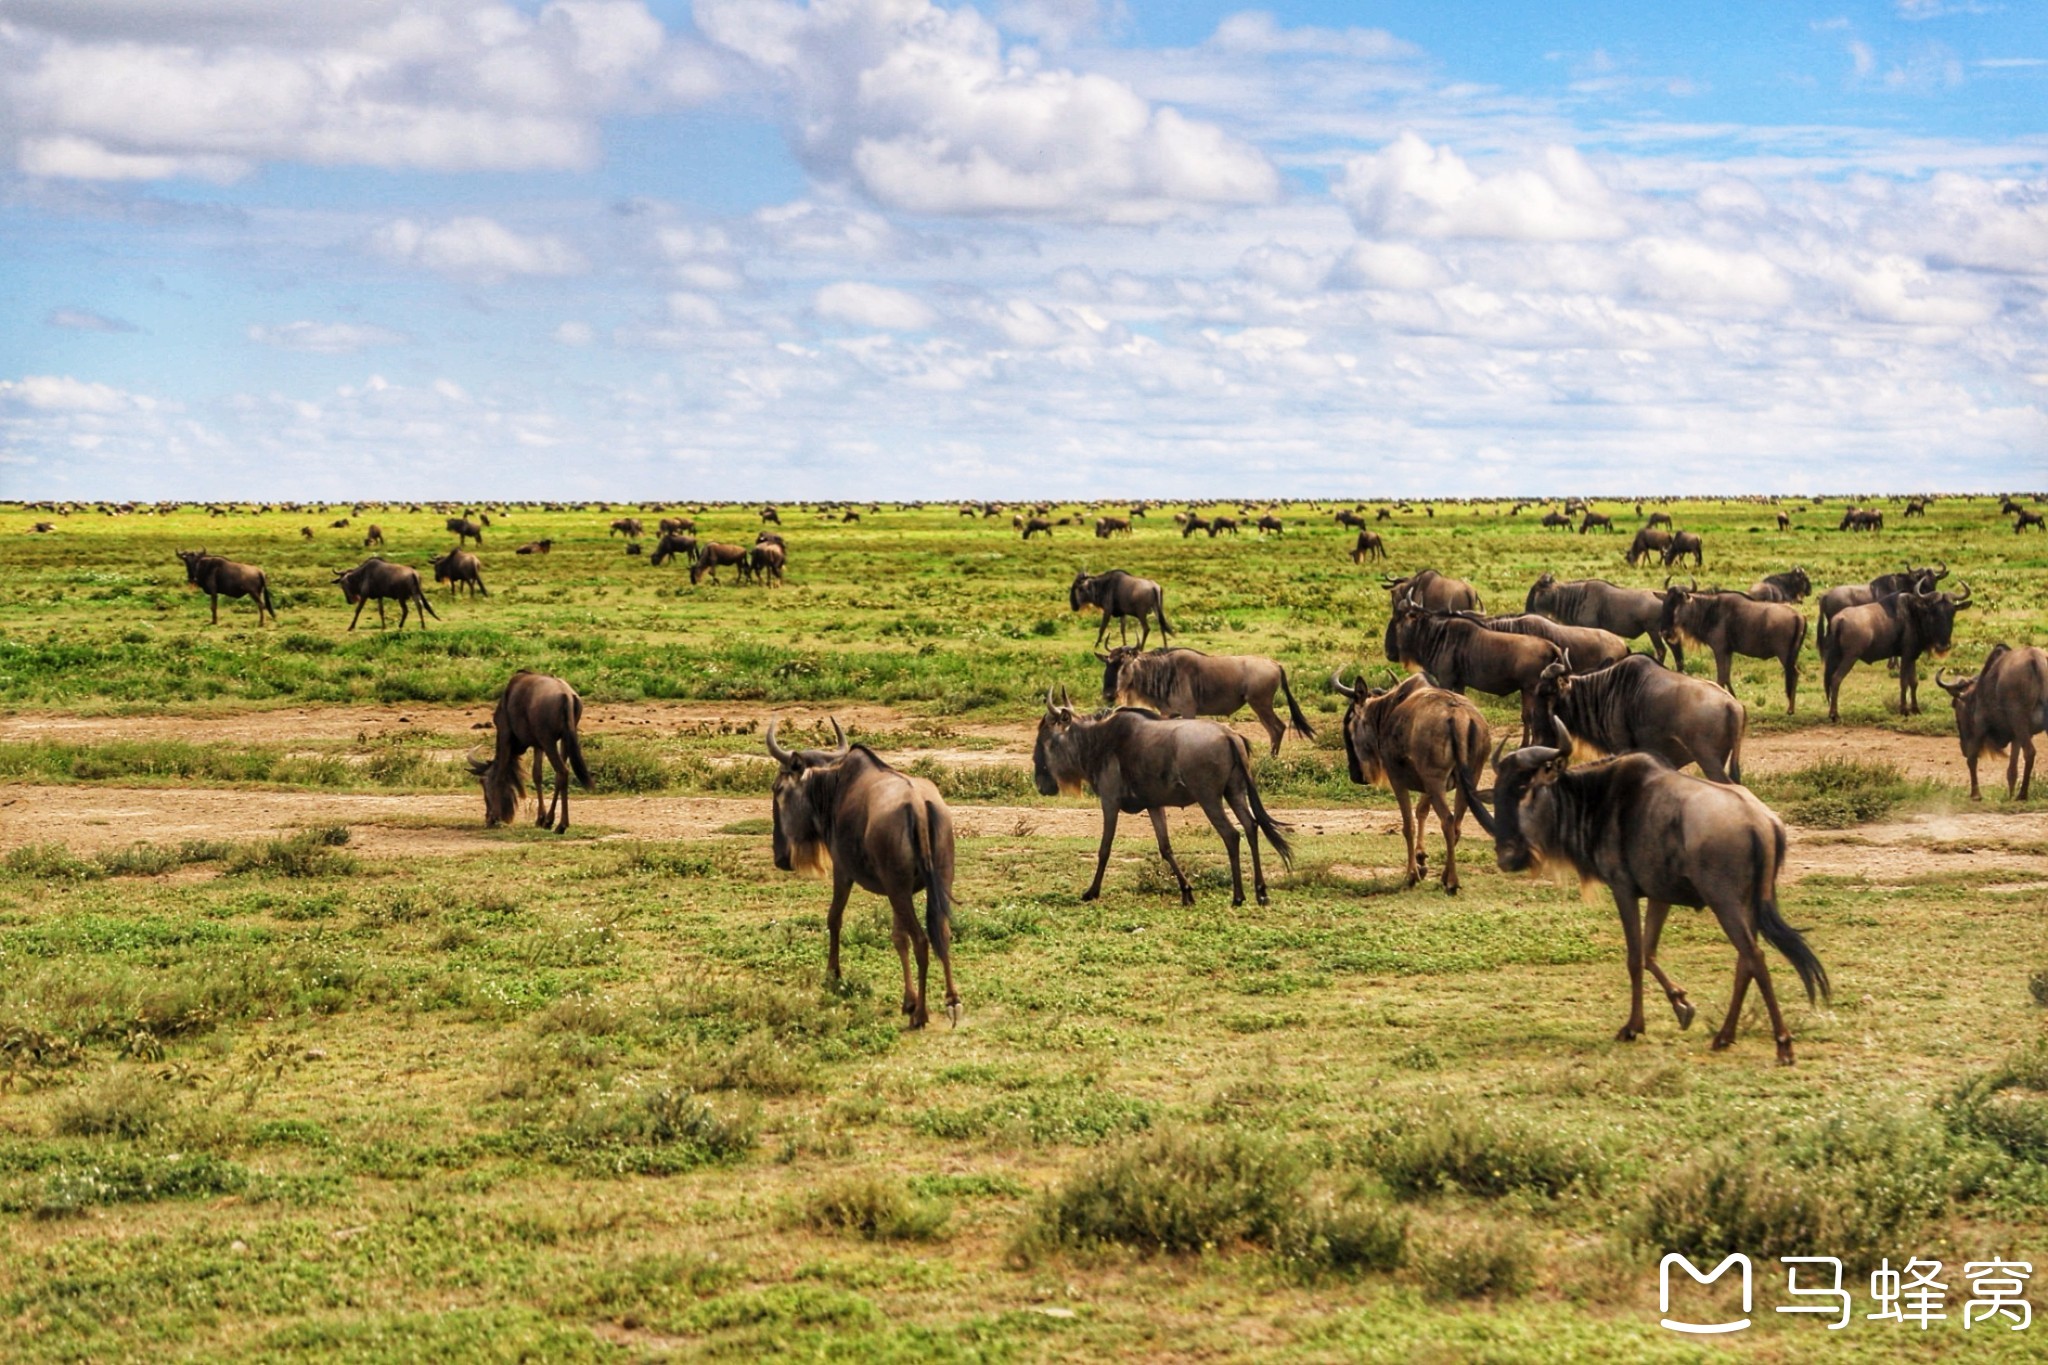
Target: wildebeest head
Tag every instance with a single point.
(1056, 764)
(504, 787)
(1971, 724)
(191, 560)
(1112, 670)
(1361, 728)
(1524, 802)
(1936, 615)
(346, 579)
(1674, 598)
(802, 821)
(1539, 593)
(1078, 595)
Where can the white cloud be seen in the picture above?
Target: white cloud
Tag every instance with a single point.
(1255, 32)
(575, 334)
(693, 310)
(62, 393)
(476, 247)
(873, 305)
(1685, 271)
(85, 320)
(325, 338)
(1410, 188)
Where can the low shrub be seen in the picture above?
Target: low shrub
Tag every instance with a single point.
(877, 1209)
(2007, 1106)
(1446, 1148)
(1838, 792)
(1493, 1261)
(125, 1105)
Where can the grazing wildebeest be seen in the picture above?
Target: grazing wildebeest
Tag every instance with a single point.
(460, 568)
(627, 526)
(1269, 522)
(846, 814)
(1732, 623)
(1556, 520)
(1585, 647)
(1656, 518)
(1121, 596)
(465, 530)
(1639, 705)
(1034, 525)
(377, 579)
(43, 528)
(540, 713)
(1903, 625)
(671, 544)
(1784, 522)
(2002, 709)
(305, 533)
(1369, 546)
(1684, 543)
(764, 562)
(671, 525)
(770, 514)
(536, 547)
(1593, 519)
(1187, 682)
(1652, 834)
(1647, 542)
(1916, 507)
(2022, 519)
(1137, 761)
(1790, 586)
(1411, 736)
(341, 525)
(712, 555)
(1219, 524)
(218, 578)
(772, 538)
(1594, 602)
(1459, 653)
(1105, 527)
(1862, 519)
(373, 536)
(1350, 518)
(1192, 524)
(1432, 591)
(851, 515)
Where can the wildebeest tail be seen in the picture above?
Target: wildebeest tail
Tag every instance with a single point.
(1160, 607)
(1240, 754)
(1735, 749)
(1772, 926)
(1461, 767)
(938, 906)
(1301, 725)
(572, 747)
(263, 587)
(424, 604)
(1820, 630)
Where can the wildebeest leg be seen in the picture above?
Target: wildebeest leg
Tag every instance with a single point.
(360, 603)
(1724, 665)
(2027, 779)
(1790, 663)
(907, 933)
(1213, 808)
(1435, 797)
(1632, 930)
(216, 609)
(561, 768)
(1754, 951)
(1909, 688)
(835, 915)
(1725, 1035)
(1187, 893)
(1408, 834)
(546, 809)
(1242, 808)
(1144, 630)
(1102, 854)
(1653, 929)
(382, 621)
(1263, 709)
(1102, 631)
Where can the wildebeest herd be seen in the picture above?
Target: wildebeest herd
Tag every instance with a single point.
(1597, 787)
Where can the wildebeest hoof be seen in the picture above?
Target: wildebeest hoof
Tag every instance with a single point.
(1720, 1043)
(1090, 894)
(954, 1014)
(1237, 900)
(1188, 898)
(1450, 888)
(1785, 1053)
(1262, 897)
(1684, 1010)
(1627, 1034)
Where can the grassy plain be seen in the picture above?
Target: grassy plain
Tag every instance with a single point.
(585, 1098)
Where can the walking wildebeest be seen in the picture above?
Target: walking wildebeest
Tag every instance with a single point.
(1369, 546)
(772, 538)
(1186, 682)
(1192, 524)
(2002, 709)
(628, 526)
(764, 562)
(1903, 625)
(1594, 602)
(671, 544)
(218, 578)
(460, 568)
(1105, 527)
(1121, 596)
(1790, 586)
(535, 547)
(541, 713)
(1350, 518)
(1684, 543)
(845, 813)
(1411, 736)
(1220, 524)
(1656, 518)
(1269, 522)
(1137, 761)
(1383, 514)
(1639, 705)
(685, 525)
(1585, 647)
(465, 530)
(1862, 519)
(1593, 519)
(770, 514)
(1652, 834)
(377, 580)
(1555, 520)
(2022, 519)
(1648, 541)
(1458, 653)
(1034, 525)
(1432, 591)
(712, 555)
(1916, 507)
(373, 536)
(1732, 623)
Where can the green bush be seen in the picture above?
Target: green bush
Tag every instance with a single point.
(1446, 1148)
(1838, 792)
(127, 1105)
(309, 853)
(1489, 1261)
(877, 1209)
(2008, 1106)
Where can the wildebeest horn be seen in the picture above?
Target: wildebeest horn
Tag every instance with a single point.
(1953, 689)
(1692, 584)
(1498, 750)
(776, 751)
(1667, 581)
(1943, 573)
(839, 736)
(1963, 598)
(1564, 745)
(1337, 684)
(477, 765)
(1050, 704)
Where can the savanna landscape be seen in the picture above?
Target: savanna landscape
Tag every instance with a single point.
(299, 1060)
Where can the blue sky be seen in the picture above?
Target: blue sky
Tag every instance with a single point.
(892, 248)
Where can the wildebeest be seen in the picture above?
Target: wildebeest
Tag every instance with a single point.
(1220, 524)
(1790, 586)
(1459, 653)
(1412, 736)
(1586, 647)
(626, 526)
(1432, 591)
(2022, 519)
(1187, 682)
(1190, 523)
(1656, 518)
(1902, 625)
(1105, 527)
(712, 555)
(1916, 507)
(686, 525)
(1648, 541)
(770, 514)
(1652, 834)
(1269, 522)
(1593, 519)
(1862, 519)
(1035, 525)
(536, 547)
(1594, 602)
(373, 536)
(377, 579)
(671, 544)
(1684, 543)
(1637, 705)
(1845, 595)
(1121, 596)
(1383, 514)
(1347, 517)
(460, 568)
(1784, 522)
(341, 525)
(772, 538)
(465, 530)
(1137, 761)
(764, 562)
(1557, 520)
(846, 814)
(1369, 546)
(305, 533)
(1732, 623)
(2002, 709)
(541, 713)
(218, 578)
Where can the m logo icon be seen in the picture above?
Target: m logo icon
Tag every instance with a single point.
(1696, 1328)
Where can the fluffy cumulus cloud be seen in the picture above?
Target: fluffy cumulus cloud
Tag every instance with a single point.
(927, 110)
(476, 248)
(1410, 188)
(857, 304)
(128, 90)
